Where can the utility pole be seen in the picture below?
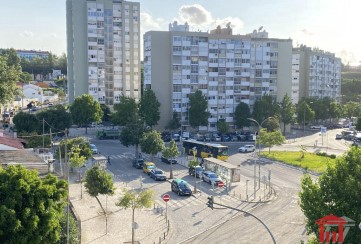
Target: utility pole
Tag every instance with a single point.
(43, 133)
(67, 173)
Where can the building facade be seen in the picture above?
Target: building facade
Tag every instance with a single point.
(103, 39)
(227, 68)
(315, 73)
(31, 54)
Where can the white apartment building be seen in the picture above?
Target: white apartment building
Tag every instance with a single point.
(227, 68)
(103, 49)
(315, 73)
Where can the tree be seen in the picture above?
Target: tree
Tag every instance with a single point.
(358, 124)
(337, 191)
(304, 112)
(31, 208)
(131, 134)
(198, 114)
(34, 140)
(241, 115)
(264, 108)
(174, 123)
(287, 110)
(149, 108)
(124, 110)
(26, 123)
(9, 75)
(85, 110)
(222, 126)
(270, 139)
(131, 199)
(98, 182)
(80, 142)
(56, 119)
(106, 113)
(171, 152)
(352, 109)
(151, 142)
(76, 161)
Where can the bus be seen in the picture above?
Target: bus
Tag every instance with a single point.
(205, 150)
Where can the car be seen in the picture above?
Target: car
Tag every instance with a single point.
(241, 137)
(247, 148)
(316, 127)
(157, 174)
(148, 166)
(210, 177)
(181, 187)
(216, 138)
(234, 138)
(138, 163)
(168, 161)
(34, 108)
(50, 104)
(197, 171)
(225, 138)
(94, 149)
(338, 137)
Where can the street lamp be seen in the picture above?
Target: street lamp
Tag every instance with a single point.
(259, 152)
(304, 115)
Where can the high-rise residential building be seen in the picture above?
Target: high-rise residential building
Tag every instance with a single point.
(315, 73)
(32, 54)
(227, 68)
(103, 49)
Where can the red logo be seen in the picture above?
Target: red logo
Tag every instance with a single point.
(220, 184)
(166, 197)
(343, 225)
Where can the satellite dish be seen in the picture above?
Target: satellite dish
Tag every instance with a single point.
(260, 28)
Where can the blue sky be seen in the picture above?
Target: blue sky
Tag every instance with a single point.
(330, 25)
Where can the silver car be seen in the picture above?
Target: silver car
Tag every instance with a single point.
(94, 149)
(210, 177)
(247, 148)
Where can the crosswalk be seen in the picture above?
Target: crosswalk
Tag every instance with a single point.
(122, 156)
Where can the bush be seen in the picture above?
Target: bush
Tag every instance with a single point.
(193, 163)
(332, 156)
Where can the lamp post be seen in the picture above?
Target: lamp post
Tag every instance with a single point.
(304, 116)
(259, 152)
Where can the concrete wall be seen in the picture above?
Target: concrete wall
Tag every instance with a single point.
(284, 79)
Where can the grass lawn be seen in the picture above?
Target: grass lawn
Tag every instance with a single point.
(310, 161)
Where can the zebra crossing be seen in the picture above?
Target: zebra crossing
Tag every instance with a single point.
(122, 156)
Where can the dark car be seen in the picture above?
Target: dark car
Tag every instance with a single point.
(166, 137)
(157, 174)
(225, 138)
(181, 187)
(138, 163)
(210, 177)
(168, 161)
(198, 170)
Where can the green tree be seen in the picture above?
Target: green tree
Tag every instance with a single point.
(171, 152)
(337, 191)
(151, 142)
(265, 107)
(270, 139)
(132, 132)
(304, 112)
(73, 230)
(358, 124)
(85, 110)
(98, 182)
(149, 108)
(34, 140)
(125, 110)
(198, 114)
(106, 113)
(241, 115)
(174, 123)
(31, 208)
(80, 142)
(352, 109)
(287, 110)
(25, 77)
(133, 200)
(26, 123)
(222, 126)
(76, 161)
(9, 75)
(56, 119)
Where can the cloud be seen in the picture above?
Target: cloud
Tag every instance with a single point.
(307, 32)
(236, 24)
(54, 35)
(26, 34)
(150, 23)
(195, 15)
(347, 57)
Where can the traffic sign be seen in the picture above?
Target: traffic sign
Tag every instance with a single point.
(220, 184)
(166, 197)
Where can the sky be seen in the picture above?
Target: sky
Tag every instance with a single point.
(330, 25)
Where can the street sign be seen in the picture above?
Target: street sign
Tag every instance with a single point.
(220, 184)
(166, 197)
(323, 130)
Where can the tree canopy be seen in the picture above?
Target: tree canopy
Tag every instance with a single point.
(287, 110)
(222, 126)
(337, 191)
(174, 123)
(241, 115)
(85, 110)
(151, 142)
(149, 108)
(198, 114)
(31, 208)
(125, 110)
(10, 72)
(270, 139)
(80, 142)
(132, 132)
(265, 107)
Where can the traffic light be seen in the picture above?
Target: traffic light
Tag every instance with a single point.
(210, 202)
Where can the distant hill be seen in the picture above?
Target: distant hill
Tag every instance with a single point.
(351, 86)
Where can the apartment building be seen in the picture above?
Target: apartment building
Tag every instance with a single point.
(227, 68)
(315, 73)
(103, 49)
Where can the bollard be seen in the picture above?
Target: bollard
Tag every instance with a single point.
(160, 240)
(234, 193)
(247, 198)
(154, 206)
(240, 196)
(164, 236)
(259, 198)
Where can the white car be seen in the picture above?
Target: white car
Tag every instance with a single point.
(247, 148)
(94, 149)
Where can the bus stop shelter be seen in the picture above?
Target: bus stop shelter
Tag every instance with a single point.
(100, 161)
(227, 171)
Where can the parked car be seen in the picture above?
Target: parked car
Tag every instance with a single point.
(234, 138)
(241, 137)
(216, 138)
(138, 163)
(247, 148)
(157, 174)
(225, 138)
(316, 127)
(338, 136)
(168, 161)
(181, 187)
(94, 149)
(148, 166)
(251, 137)
(210, 177)
(198, 171)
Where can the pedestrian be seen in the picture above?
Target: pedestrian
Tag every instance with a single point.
(108, 159)
(140, 155)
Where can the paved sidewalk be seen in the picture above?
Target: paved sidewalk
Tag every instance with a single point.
(151, 224)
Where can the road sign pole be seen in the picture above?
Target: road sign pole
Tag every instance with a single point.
(166, 212)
